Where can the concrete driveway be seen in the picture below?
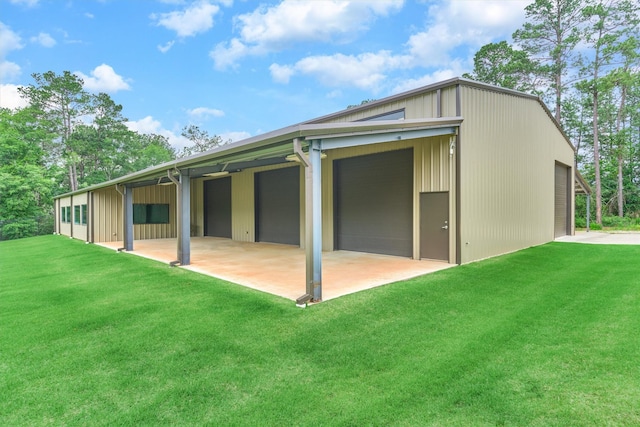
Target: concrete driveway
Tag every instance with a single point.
(603, 238)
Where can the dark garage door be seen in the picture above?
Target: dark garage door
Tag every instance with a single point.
(373, 200)
(562, 185)
(217, 207)
(278, 206)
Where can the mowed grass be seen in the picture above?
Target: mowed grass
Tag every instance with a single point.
(549, 336)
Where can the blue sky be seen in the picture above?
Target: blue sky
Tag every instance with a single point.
(241, 68)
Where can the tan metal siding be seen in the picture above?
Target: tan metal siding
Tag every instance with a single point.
(242, 207)
(107, 214)
(156, 194)
(79, 231)
(243, 203)
(509, 147)
(432, 172)
(421, 106)
(197, 207)
(65, 227)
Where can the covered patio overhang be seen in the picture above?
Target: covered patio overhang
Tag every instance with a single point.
(304, 143)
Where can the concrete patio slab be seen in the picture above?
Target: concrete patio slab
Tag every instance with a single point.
(280, 269)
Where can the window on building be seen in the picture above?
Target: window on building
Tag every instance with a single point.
(150, 213)
(76, 214)
(65, 214)
(83, 214)
(392, 115)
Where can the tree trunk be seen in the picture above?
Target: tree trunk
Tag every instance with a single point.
(620, 147)
(73, 177)
(596, 152)
(620, 186)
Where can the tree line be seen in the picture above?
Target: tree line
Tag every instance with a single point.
(582, 57)
(67, 139)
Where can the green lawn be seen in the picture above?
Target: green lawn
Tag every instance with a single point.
(546, 336)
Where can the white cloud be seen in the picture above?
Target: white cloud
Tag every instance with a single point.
(226, 56)
(165, 48)
(44, 39)
(281, 73)
(272, 29)
(104, 79)
(456, 70)
(365, 71)
(197, 18)
(10, 98)
(204, 112)
(8, 41)
(234, 136)
(469, 23)
(150, 125)
(9, 71)
(453, 32)
(89, 15)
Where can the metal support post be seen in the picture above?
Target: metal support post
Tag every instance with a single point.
(313, 220)
(316, 208)
(128, 218)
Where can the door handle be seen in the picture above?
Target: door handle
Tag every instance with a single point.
(446, 227)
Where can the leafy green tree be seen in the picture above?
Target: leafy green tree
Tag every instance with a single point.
(148, 150)
(26, 184)
(610, 24)
(502, 65)
(550, 35)
(201, 140)
(99, 146)
(62, 102)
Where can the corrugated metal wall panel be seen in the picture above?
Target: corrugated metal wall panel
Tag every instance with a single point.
(79, 230)
(197, 207)
(448, 105)
(243, 203)
(421, 106)
(432, 172)
(156, 194)
(242, 207)
(65, 227)
(107, 203)
(509, 147)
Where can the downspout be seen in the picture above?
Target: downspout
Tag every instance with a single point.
(90, 222)
(117, 187)
(458, 196)
(127, 210)
(56, 206)
(73, 216)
